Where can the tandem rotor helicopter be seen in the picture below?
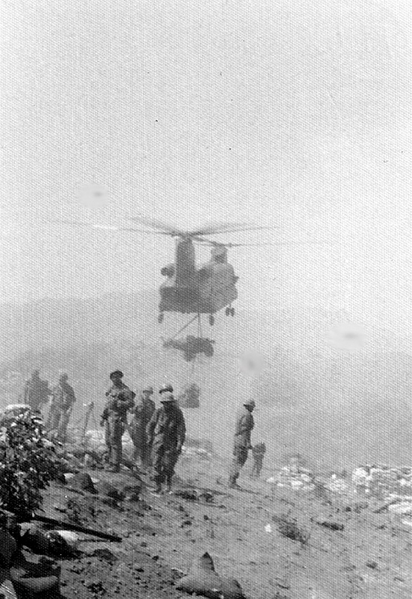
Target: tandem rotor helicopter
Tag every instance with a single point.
(192, 289)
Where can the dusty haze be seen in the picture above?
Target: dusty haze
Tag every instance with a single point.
(292, 114)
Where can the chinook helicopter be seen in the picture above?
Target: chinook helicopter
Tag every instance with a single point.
(204, 289)
(188, 288)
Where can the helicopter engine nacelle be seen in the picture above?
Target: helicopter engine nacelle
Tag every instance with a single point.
(168, 271)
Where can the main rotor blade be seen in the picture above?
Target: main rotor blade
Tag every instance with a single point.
(228, 228)
(210, 242)
(234, 245)
(166, 228)
(208, 229)
(106, 227)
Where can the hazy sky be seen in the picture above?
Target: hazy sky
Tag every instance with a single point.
(293, 113)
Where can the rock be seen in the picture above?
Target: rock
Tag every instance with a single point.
(132, 492)
(401, 508)
(83, 482)
(110, 491)
(58, 546)
(71, 538)
(329, 524)
(95, 586)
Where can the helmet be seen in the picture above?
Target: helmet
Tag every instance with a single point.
(249, 403)
(117, 373)
(167, 397)
(148, 389)
(63, 374)
(166, 387)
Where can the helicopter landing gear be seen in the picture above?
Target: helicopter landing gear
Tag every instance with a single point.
(211, 320)
(160, 318)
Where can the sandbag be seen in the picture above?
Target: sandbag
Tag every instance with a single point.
(203, 579)
(32, 584)
(35, 579)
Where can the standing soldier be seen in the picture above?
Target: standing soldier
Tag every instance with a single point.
(114, 417)
(142, 414)
(36, 392)
(166, 433)
(258, 452)
(242, 444)
(61, 407)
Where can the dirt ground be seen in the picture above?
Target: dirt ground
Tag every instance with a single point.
(363, 555)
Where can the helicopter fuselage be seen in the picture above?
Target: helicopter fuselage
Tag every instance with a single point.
(203, 290)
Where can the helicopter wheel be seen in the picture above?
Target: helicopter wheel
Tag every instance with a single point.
(228, 311)
(232, 311)
(160, 318)
(211, 320)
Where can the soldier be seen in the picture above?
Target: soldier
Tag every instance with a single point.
(114, 418)
(242, 444)
(258, 452)
(61, 407)
(166, 433)
(142, 413)
(36, 392)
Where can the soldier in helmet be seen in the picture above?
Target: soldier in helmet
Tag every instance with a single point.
(142, 414)
(120, 399)
(36, 391)
(242, 441)
(61, 407)
(166, 434)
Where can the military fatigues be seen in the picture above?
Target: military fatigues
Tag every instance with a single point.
(166, 433)
(258, 453)
(142, 414)
(241, 446)
(36, 393)
(61, 407)
(119, 402)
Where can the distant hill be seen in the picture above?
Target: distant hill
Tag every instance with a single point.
(335, 407)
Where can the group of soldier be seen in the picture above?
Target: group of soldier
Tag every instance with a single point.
(61, 399)
(158, 434)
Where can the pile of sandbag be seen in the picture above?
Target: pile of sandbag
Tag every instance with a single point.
(293, 476)
(380, 479)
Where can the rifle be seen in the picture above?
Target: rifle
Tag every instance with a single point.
(76, 528)
(11, 518)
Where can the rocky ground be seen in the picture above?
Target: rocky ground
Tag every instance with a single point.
(346, 550)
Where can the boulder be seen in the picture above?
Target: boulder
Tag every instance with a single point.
(83, 482)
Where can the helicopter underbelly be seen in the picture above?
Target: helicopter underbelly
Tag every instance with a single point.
(201, 299)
